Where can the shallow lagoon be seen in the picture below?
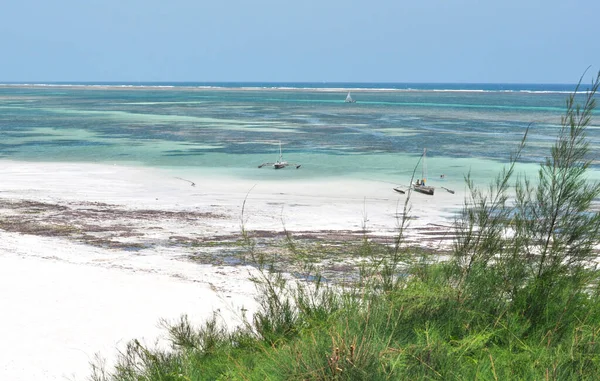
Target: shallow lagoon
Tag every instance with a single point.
(233, 130)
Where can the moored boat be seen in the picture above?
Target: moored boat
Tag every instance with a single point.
(420, 186)
(279, 164)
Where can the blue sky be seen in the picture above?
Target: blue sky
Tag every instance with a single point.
(509, 41)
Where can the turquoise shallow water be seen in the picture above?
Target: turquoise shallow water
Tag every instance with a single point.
(236, 127)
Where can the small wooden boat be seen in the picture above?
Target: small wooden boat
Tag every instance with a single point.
(423, 189)
(279, 164)
(420, 186)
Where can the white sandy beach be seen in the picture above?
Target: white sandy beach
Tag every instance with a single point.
(65, 300)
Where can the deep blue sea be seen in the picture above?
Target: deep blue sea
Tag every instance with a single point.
(233, 127)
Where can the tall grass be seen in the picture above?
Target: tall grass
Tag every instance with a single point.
(519, 299)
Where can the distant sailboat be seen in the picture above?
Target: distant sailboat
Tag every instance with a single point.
(349, 98)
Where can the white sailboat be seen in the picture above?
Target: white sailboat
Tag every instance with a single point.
(349, 98)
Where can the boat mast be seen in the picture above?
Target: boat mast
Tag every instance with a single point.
(424, 168)
(280, 154)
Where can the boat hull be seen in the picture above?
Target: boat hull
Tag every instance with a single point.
(424, 189)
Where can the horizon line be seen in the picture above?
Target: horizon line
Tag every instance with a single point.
(279, 82)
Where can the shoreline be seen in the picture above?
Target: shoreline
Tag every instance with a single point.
(301, 205)
(93, 255)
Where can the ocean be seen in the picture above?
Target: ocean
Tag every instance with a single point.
(231, 128)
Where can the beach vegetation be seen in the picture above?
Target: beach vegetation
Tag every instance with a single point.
(518, 297)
